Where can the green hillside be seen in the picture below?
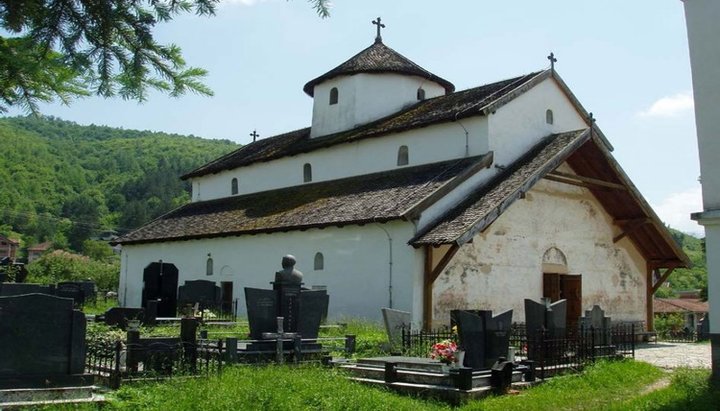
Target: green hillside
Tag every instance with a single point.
(65, 182)
(694, 278)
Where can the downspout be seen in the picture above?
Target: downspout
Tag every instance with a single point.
(124, 303)
(390, 265)
(467, 135)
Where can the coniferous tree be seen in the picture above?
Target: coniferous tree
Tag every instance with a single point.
(62, 49)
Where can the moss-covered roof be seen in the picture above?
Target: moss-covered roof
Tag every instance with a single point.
(441, 109)
(378, 58)
(378, 197)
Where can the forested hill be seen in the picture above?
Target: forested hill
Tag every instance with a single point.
(64, 182)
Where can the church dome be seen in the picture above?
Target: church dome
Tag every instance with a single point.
(378, 58)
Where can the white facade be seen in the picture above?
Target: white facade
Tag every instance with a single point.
(363, 98)
(356, 265)
(702, 18)
(504, 264)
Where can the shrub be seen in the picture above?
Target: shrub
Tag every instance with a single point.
(61, 265)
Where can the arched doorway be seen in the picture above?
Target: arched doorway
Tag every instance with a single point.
(558, 284)
(160, 282)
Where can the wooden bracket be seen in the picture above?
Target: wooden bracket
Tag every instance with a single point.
(432, 272)
(631, 226)
(662, 279)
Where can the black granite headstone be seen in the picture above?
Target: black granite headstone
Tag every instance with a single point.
(497, 335)
(203, 292)
(551, 318)
(71, 290)
(703, 328)
(471, 333)
(121, 315)
(47, 338)
(313, 304)
(261, 310)
(10, 289)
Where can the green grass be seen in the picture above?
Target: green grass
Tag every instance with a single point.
(597, 388)
(604, 386)
(689, 389)
(99, 306)
(266, 388)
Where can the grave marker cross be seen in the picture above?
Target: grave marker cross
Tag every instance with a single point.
(279, 336)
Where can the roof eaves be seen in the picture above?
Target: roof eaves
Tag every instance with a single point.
(416, 209)
(649, 212)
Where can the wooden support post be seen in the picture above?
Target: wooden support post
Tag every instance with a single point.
(432, 271)
(649, 320)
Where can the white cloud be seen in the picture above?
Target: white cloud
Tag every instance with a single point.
(670, 106)
(675, 210)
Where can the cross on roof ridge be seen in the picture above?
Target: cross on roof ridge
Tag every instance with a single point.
(378, 23)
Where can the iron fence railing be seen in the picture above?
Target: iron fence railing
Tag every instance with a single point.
(417, 343)
(683, 336)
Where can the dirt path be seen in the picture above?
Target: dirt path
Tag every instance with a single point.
(674, 355)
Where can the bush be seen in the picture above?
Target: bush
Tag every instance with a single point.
(61, 265)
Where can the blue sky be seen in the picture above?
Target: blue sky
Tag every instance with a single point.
(626, 61)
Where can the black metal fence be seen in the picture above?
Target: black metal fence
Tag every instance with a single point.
(552, 353)
(115, 362)
(683, 336)
(417, 343)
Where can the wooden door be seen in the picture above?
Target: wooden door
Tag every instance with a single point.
(571, 290)
(551, 286)
(226, 290)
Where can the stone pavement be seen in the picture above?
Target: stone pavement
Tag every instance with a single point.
(674, 355)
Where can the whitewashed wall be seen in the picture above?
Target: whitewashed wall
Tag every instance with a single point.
(520, 124)
(356, 269)
(363, 98)
(503, 265)
(426, 145)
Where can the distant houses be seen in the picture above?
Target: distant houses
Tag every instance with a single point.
(8, 247)
(36, 251)
(690, 306)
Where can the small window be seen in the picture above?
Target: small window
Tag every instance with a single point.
(234, 186)
(421, 94)
(402, 158)
(333, 95)
(209, 266)
(319, 262)
(307, 173)
(549, 117)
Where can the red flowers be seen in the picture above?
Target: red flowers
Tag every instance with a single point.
(444, 351)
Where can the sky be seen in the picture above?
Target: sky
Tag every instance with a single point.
(626, 61)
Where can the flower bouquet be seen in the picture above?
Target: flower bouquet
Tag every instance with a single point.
(444, 351)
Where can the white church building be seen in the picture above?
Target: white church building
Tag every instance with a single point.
(405, 193)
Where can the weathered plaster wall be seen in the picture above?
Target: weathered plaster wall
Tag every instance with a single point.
(503, 265)
(356, 270)
(363, 98)
(426, 145)
(520, 124)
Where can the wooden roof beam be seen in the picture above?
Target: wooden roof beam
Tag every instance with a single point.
(630, 227)
(587, 180)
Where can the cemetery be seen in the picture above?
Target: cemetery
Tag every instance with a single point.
(481, 353)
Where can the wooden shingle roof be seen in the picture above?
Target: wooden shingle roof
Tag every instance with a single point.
(436, 110)
(378, 58)
(378, 197)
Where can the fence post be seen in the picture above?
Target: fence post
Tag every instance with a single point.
(115, 373)
(231, 344)
(349, 344)
(592, 341)
(632, 339)
(133, 342)
(297, 349)
(220, 355)
(543, 353)
(390, 372)
(188, 338)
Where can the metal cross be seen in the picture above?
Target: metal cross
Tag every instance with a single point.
(553, 60)
(379, 25)
(254, 135)
(279, 336)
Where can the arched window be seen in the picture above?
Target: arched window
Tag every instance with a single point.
(421, 94)
(549, 116)
(234, 186)
(403, 157)
(209, 266)
(307, 173)
(333, 96)
(319, 262)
